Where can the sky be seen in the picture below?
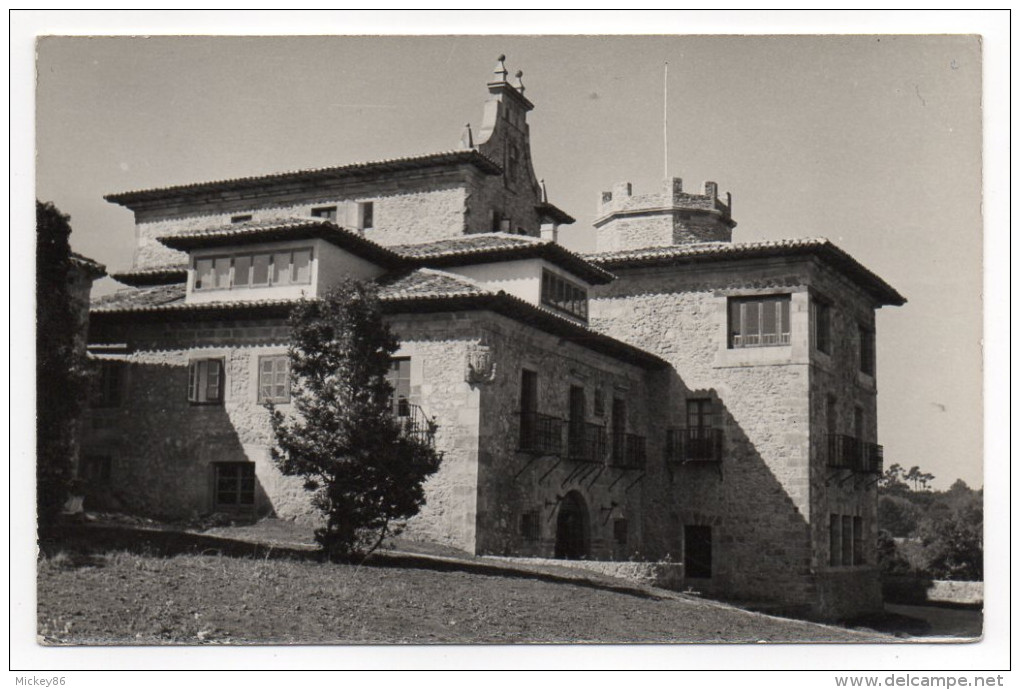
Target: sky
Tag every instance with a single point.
(871, 141)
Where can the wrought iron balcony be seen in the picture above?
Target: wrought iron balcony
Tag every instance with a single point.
(628, 452)
(760, 339)
(697, 444)
(851, 453)
(541, 434)
(414, 423)
(586, 442)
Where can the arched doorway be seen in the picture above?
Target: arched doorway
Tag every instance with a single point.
(572, 541)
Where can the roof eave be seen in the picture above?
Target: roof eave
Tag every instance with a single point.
(467, 157)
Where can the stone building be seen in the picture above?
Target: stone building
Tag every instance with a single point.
(673, 395)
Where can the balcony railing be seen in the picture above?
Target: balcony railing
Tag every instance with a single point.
(697, 444)
(628, 452)
(414, 423)
(851, 453)
(586, 442)
(760, 339)
(541, 434)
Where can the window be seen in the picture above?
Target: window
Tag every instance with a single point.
(366, 215)
(821, 313)
(325, 213)
(575, 423)
(531, 525)
(110, 385)
(866, 337)
(244, 218)
(274, 379)
(701, 441)
(759, 321)
(858, 541)
(564, 295)
(835, 551)
(697, 551)
(619, 424)
(205, 382)
(96, 468)
(287, 267)
(399, 376)
(848, 540)
(234, 484)
(600, 403)
(620, 531)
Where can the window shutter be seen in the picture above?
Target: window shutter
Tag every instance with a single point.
(282, 379)
(213, 380)
(193, 382)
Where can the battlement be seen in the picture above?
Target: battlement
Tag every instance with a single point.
(668, 216)
(671, 196)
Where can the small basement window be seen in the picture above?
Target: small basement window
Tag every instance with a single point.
(531, 525)
(243, 218)
(234, 484)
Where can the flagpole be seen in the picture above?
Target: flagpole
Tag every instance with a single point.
(665, 120)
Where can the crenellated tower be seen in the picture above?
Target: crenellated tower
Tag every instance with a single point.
(668, 217)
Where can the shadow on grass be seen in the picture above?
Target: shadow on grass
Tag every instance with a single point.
(80, 545)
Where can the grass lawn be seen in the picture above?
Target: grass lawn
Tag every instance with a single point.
(124, 585)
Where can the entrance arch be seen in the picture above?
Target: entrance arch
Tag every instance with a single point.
(572, 528)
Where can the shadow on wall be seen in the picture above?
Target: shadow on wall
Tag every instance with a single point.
(159, 455)
(731, 513)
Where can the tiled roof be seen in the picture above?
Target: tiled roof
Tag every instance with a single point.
(422, 283)
(154, 275)
(466, 156)
(554, 213)
(426, 283)
(93, 267)
(724, 251)
(420, 291)
(285, 229)
(139, 299)
(499, 246)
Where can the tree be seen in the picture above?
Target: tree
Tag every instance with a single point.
(365, 473)
(952, 538)
(61, 374)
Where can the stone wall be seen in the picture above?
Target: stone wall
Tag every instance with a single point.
(836, 375)
(512, 483)
(758, 500)
(408, 207)
(162, 447)
(664, 218)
